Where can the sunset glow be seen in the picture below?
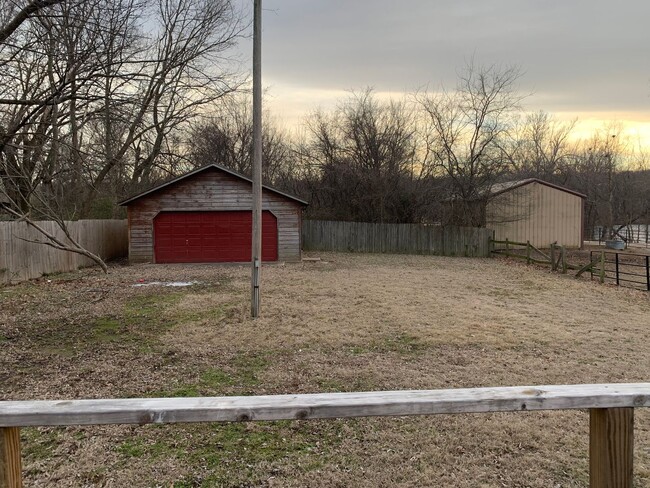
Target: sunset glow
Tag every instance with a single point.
(291, 105)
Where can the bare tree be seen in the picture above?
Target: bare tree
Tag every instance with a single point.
(614, 176)
(226, 138)
(363, 157)
(93, 105)
(597, 163)
(181, 72)
(14, 16)
(541, 147)
(465, 130)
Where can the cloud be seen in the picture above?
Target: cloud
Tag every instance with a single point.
(577, 55)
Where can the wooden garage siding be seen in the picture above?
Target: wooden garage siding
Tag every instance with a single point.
(210, 190)
(537, 213)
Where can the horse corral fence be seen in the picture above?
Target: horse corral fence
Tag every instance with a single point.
(22, 259)
(556, 257)
(325, 235)
(623, 269)
(611, 446)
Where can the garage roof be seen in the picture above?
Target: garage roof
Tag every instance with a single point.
(200, 170)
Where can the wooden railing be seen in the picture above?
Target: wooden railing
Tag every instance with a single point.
(556, 257)
(611, 415)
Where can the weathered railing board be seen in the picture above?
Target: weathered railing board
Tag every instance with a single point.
(611, 409)
(321, 405)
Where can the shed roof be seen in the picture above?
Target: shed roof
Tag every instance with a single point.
(499, 188)
(200, 170)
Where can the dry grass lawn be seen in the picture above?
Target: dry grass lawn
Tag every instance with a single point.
(349, 322)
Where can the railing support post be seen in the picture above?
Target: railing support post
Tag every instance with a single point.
(10, 464)
(616, 263)
(611, 447)
(602, 266)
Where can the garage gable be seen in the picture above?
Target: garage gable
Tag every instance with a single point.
(209, 167)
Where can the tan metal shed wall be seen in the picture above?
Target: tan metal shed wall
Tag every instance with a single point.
(537, 213)
(211, 190)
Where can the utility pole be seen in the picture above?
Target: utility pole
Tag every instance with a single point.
(256, 247)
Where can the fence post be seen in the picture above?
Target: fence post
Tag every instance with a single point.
(507, 247)
(647, 271)
(611, 447)
(553, 256)
(10, 463)
(616, 261)
(564, 263)
(527, 252)
(602, 267)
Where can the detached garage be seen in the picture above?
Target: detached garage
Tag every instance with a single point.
(205, 216)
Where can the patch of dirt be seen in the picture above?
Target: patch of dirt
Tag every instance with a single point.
(349, 322)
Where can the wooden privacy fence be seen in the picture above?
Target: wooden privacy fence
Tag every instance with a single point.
(611, 407)
(325, 235)
(23, 260)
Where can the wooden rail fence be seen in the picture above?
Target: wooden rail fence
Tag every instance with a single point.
(623, 269)
(325, 235)
(556, 258)
(611, 409)
(22, 260)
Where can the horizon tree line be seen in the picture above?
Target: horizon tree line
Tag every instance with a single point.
(102, 99)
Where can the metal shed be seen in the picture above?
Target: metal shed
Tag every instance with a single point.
(537, 211)
(205, 216)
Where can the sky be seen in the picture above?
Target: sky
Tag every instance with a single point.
(585, 59)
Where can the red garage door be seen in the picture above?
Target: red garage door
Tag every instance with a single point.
(209, 237)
